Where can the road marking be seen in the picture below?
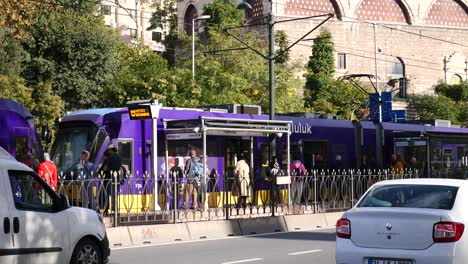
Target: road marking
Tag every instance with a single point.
(242, 261)
(304, 252)
(216, 239)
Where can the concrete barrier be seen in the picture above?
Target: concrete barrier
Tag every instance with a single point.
(332, 218)
(213, 229)
(262, 225)
(305, 222)
(119, 237)
(167, 233)
(156, 234)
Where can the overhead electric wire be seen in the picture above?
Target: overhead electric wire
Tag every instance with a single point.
(385, 60)
(113, 3)
(382, 25)
(386, 55)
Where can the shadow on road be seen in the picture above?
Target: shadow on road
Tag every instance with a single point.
(304, 235)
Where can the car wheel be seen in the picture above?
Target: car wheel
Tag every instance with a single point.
(86, 252)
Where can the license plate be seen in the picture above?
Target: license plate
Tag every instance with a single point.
(389, 261)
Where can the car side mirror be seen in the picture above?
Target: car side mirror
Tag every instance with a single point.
(63, 202)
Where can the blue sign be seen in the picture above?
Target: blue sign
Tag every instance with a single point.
(399, 116)
(387, 113)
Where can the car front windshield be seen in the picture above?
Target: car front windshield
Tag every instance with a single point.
(411, 196)
(71, 140)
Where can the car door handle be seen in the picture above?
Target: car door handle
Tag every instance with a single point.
(6, 225)
(16, 225)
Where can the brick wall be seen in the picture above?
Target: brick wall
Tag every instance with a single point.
(423, 57)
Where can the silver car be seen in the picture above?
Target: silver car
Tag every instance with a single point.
(417, 221)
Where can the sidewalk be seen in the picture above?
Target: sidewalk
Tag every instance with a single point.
(125, 236)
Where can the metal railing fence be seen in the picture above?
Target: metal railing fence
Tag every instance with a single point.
(137, 199)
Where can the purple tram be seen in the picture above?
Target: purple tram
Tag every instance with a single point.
(319, 143)
(18, 133)
(440, 152)
(95, 129)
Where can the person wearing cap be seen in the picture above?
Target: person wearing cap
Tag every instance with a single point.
(47, 170)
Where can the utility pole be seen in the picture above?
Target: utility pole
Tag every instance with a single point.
(380, 133)
(271, 71)
(377, 75)
(271, 57)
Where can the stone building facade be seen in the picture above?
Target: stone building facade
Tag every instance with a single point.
(422, 40)
(131, 18)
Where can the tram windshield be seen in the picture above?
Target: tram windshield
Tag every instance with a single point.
(72, 138)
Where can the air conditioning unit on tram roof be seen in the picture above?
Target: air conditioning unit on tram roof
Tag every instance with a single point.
(442, 123)
(236, 108)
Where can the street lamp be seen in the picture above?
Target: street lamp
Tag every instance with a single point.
(205, 17)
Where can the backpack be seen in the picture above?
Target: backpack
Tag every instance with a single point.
(198, 171)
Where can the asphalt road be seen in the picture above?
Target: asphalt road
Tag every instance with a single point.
(311, 247)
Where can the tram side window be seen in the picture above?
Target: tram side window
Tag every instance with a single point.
(100, 139)
(264, 153)
(22, 152)
(125, 150)
(295, 153)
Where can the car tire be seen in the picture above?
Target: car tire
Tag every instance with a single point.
(86, 251)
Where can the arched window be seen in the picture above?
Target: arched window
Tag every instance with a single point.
(383, 11)
(455, 79)
(190, 14)
(449, 13)
(398, 68)
(312, 7)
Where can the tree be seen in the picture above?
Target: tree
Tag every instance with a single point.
(320, 69)
(281, 41)
(144, 74)
(322, 92)
(323, 58)
(19, 15)
(165, 17)
(456, 92)
(222, 14)
(436, 107)
(39, 99)
(12, 55)
(240, 76)
(76, 52)
(451, 103)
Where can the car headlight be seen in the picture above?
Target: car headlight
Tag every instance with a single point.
(100, 218)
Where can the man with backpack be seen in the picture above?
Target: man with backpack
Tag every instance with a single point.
(201, 174)
(298, 172)
(84, 171)
(191, 180)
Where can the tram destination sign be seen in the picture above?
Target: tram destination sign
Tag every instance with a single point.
(139, 112)
(143, 111)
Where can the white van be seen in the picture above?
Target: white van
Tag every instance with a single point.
(39, 226)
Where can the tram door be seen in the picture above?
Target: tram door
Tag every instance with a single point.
(315, 154)
(234, 147)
